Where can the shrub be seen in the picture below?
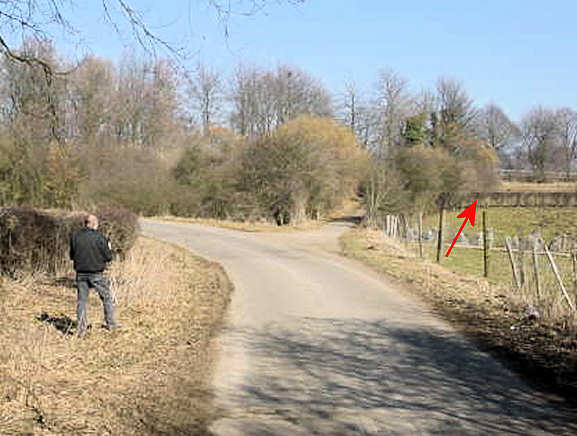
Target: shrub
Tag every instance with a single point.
(33, 240)
(119, 225)
(306, 168)
(208, 171)
(135, 178)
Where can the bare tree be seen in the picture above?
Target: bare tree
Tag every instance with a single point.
(38, 18)
(162, 123)
(455, 105)
(90, 99)
(498, 131)
(263, 100)
(253, 106)
(35, 98)
(207, 94)
(567, 119)
(393, 105)
(351, 105)
(297, 93)
(356, 112)
(540, 133)
(455, 117)
(496, 128)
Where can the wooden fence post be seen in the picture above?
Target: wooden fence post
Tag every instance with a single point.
(512, 260)
(536, 270)
(521, 259)
(574, 262)
(558, 277)
(420, 230)
(440, 235)
(485, 247)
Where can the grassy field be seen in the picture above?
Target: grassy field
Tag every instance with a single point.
(494, 315)
(519, 222)
(150, 377)
(537, 187)
(507, 221)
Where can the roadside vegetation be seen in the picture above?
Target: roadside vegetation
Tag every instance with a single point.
(258, 149)
(493, 315)
(549, 222)
(271, 145)
(556, 226)
(151, 377)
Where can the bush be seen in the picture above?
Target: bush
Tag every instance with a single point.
(120, 226)
(305, 168)
(207, 173)
(135, 178)
(33, 240)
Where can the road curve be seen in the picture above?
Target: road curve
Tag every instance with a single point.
(318, 345)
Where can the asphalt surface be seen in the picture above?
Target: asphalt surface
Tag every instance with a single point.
(316, 344)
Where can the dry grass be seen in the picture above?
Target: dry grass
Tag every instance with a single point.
(151, 377)
(537, 187)
(544, 349)
(547, 298)
(348, 208)
(244, 226)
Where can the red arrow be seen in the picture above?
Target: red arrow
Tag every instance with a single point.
(468, 214)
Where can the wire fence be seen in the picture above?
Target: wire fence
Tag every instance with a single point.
(542, 273)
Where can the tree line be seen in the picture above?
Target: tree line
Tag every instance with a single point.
(262, 143)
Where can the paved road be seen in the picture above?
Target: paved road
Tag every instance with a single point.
(318, 345)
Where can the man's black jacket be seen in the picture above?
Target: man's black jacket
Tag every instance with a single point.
(89, 250)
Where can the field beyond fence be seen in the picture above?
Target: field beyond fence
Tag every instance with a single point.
(516, 199)
(530, 251)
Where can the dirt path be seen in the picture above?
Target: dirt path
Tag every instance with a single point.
(317, 344)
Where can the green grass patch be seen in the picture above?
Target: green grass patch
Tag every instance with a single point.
(537, 187)
(469, 262)
(508, 221)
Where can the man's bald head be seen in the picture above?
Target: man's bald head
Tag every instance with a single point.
(91, 221)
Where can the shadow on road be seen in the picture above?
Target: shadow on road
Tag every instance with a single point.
(356, 377)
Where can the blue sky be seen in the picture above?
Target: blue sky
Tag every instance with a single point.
(515, 53)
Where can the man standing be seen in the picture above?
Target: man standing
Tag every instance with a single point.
(90, 251)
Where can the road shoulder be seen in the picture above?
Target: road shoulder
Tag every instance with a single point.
(154, 376)
(545, 354)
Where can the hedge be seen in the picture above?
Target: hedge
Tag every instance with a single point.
(38, 241)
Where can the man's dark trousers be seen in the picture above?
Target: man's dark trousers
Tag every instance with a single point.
(97, 280)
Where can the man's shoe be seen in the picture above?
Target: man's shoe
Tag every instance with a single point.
(112, 327)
